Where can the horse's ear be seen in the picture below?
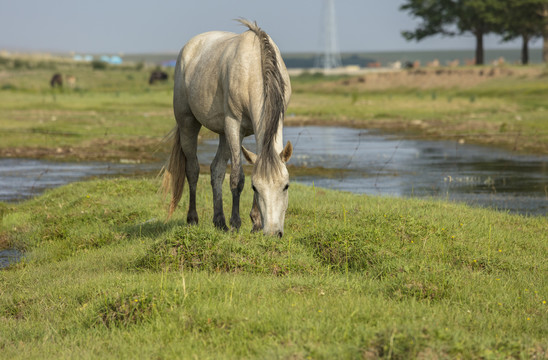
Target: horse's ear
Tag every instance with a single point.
(286, 152)
(249, 156)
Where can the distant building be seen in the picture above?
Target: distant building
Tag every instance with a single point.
(86, 58)
(169, 63)
(114, 59)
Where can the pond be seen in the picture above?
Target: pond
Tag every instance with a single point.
(348, 159)
(363, 161)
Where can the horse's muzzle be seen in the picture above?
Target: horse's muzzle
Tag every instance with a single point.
(276, 233)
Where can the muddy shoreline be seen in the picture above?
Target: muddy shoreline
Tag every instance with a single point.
(147, 150)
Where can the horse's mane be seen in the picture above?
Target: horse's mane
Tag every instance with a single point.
(274, 99)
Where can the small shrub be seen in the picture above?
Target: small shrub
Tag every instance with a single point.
(8, 87)
(20, 64)
(99, 65)
(124, 311)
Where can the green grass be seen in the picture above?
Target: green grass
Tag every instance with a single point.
(353, 277)
(104, 106)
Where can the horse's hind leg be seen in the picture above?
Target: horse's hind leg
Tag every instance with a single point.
(218, 171)
(190, 128)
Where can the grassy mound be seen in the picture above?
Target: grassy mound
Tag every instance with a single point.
(353, 276)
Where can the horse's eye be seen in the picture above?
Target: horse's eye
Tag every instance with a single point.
(286, 187)
(253, 188)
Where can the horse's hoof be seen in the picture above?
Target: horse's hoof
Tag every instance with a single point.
(235, 224)
(256, 229)
(222, 227)
(220, 222)
(192, 219)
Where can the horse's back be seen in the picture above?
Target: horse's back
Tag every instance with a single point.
(219, 72)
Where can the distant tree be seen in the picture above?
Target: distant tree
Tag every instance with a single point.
(544, 15)
(480, 17)
(452, 17)
(98, 65)
(522, 18)
(437, 16)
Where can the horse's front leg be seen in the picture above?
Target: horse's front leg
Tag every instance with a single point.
(235, 221)
(255, 216)
(218, 171)
(237, 178)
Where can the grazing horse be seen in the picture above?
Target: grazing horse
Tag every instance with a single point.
(56, 79)
(157, 75)
(235, 85)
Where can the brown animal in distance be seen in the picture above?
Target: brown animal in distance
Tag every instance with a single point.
(56, 80)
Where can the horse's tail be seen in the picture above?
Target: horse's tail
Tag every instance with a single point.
(273, 88)
(174, 172)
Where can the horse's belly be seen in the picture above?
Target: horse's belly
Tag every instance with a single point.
(215, 124)
(210, 112)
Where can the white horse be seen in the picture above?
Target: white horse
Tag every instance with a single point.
(235, 85)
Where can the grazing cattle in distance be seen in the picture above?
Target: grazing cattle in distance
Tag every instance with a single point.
(157, 76)
(470, 62)
(434, 63)
(412, 65)
(453, 63)
(71, 81)
(56, 80)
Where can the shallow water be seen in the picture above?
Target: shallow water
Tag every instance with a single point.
(24, 178)
(388, 165)
(372, 163)
(8, 257)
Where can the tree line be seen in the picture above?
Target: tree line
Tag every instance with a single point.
(511, 19)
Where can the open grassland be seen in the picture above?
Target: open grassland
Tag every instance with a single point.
(108, 115)
(114, 114)
(353, 277)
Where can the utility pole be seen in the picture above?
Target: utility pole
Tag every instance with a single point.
(330, 58)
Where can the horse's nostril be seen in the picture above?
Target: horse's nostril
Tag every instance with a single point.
(280, 234)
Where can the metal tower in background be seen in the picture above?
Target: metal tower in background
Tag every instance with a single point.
(330, 58)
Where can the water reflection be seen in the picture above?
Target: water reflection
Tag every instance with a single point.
(23, 178)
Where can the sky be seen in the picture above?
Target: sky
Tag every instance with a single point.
(158, 26)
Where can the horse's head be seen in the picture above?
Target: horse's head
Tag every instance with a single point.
(270, 184)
